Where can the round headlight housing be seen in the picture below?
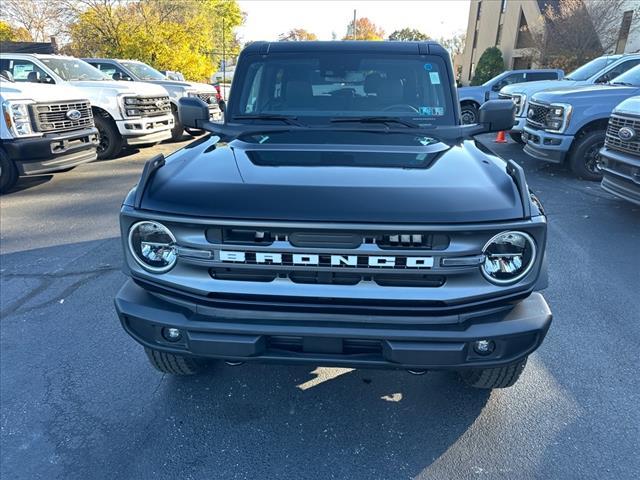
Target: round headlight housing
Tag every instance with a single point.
(508, 257)
(153, 246)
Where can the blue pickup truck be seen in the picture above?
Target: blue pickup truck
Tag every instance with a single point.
(598, 71)
(570, 124)
(472, 97)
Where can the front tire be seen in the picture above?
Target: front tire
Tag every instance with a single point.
(584, 159)
(172, 364)
(489, 378)
(109, 138)
(8, 172)
(468, 113)
(516, 137)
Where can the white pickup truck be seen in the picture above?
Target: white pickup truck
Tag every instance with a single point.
(43, 129)
(125, 113)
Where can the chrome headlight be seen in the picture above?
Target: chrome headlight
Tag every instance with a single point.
(558, 117)
(520, 101)
(18, 118)
(508, 257)
(153, 246)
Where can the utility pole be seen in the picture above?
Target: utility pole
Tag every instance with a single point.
(224, 62)
(355, 34)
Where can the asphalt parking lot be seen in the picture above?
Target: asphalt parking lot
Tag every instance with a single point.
(79, 401)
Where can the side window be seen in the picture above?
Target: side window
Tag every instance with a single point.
(250, 98)
(108, 69)
(535, 76)
(508, 80)
(619, 69)
(26, 71)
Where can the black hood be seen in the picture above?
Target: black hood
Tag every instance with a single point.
(407, 182)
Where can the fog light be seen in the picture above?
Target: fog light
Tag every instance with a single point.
(484, 347)
(171, 334)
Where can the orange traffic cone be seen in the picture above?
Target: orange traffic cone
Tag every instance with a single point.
(501, 137)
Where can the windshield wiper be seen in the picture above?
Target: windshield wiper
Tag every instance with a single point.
(406, 123)
(625, 84)
(290, 119)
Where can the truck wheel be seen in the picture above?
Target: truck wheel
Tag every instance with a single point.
(178, 129)
(500, 377)
(109, 138)
(8, 172)
(517, 137)
(585, 158)
(172, 364)
(468, 113)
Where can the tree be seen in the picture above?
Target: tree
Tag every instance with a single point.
(365, 30)
(184, 36)
(41, 19)
(573, 32)
(454, 44)
(8, 33)
(297, 35)
(489, 65)
(408, 34)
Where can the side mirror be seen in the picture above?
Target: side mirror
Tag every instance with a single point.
(127, 78)
(497, 115)
(48, 79)
(116, 76)
(194, 113)
(497, 86)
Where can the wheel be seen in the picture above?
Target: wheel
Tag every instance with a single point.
(517, 137)
(109, 138)
(499, 377)
(468, 113)
(178, 129)
(172, 364)
(8, 172)
(584, 159)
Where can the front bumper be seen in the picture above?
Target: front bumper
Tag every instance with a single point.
(53, 151)
(336, 340)
(519, 125)
(140, 131)
(542, 145)
(621, 174)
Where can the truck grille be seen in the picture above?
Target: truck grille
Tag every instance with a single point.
(537, 114)
(209, 97)
(613, 140)
(55, 117)
(147, 106)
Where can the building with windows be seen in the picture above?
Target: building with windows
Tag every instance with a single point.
(507, 24)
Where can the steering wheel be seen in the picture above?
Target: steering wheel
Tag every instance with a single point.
(402, 107)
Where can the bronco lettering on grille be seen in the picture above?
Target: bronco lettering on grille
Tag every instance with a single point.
(311, 259)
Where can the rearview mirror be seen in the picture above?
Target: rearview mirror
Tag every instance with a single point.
(497, 115)
(194, 113)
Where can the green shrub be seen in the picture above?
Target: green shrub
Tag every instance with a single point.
(489, 65)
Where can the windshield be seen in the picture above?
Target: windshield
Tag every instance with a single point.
(321, 86)
(71, 69)
(630, 77)
(588, 70)
(144, 71)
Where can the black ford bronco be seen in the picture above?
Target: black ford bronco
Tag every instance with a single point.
(342, 216)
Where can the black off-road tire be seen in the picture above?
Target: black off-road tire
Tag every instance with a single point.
(178, 129)
(468, 113)
(581, 159)
(500, 377)
(516, 137)
(8, 172)
(109, 138)
(172, 364)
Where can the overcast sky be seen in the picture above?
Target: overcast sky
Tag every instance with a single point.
(266, 19)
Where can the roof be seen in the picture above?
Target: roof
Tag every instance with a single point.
(346, 46)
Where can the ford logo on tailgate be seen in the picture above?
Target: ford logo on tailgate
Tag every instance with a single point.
(626, 133)
(73, 115)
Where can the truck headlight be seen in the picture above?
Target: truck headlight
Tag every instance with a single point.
(558, 117)
(520, 100)
(18, 118)
(508, 257)
(153, 246)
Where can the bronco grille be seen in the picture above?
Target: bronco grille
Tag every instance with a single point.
(57, 117)
(613, 140)
(537, 114)
(147, 106)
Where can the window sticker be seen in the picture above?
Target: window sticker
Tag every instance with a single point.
(435, 78)
(431, 111)
(428, 67)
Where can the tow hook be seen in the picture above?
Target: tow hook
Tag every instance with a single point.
(233, 364)
(417, 372)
